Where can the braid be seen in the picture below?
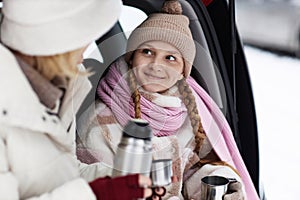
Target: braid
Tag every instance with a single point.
(135, 94)
(189, 101)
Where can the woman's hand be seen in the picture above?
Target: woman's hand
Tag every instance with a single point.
(145, 182)
(157, 193)
(125, 187)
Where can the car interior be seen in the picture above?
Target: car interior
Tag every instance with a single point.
(220, 68)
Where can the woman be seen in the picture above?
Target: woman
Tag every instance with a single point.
(42, 88)
(152, 81)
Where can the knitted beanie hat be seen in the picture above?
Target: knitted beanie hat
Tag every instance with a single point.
(48, 27)
(168, 26)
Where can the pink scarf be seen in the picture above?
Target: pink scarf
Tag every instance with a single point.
(166, 120)
(114, 91)
(222, 140)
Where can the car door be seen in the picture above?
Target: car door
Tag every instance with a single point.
(228, 54)
(273, 24)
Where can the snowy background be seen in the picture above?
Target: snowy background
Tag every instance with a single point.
(276, 86)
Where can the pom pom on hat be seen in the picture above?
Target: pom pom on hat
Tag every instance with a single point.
(172, 7)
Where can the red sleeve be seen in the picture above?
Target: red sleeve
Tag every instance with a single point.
(125, 187)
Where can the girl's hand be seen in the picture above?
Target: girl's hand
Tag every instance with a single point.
(234, 192)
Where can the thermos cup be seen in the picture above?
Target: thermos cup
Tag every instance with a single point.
(214, 187)
(134, 153)
(161, 172)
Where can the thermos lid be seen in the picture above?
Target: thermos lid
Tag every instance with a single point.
(138, 128)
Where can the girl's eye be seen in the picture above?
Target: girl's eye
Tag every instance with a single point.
(171, 58)
(147, 51)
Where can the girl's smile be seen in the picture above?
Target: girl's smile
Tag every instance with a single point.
(157, 66)
(155, 77)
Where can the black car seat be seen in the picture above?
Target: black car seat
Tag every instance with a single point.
(111, 46)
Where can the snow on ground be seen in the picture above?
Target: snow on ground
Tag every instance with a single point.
(276, 87)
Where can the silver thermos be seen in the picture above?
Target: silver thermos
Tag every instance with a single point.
(134, 153)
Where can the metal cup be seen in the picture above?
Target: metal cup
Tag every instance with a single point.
(214, 187)
(161, 172)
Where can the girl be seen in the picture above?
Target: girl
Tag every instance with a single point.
(43, 43)
(152, 81)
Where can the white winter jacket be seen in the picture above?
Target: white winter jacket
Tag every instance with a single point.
(37, 150)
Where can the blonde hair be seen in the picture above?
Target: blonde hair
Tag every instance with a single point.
(188, 100)
(64, 64)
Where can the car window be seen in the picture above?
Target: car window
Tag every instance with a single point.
(130, 18)
(92, 51)
(1, 4)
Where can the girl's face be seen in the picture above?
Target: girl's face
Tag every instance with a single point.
(157, 66)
